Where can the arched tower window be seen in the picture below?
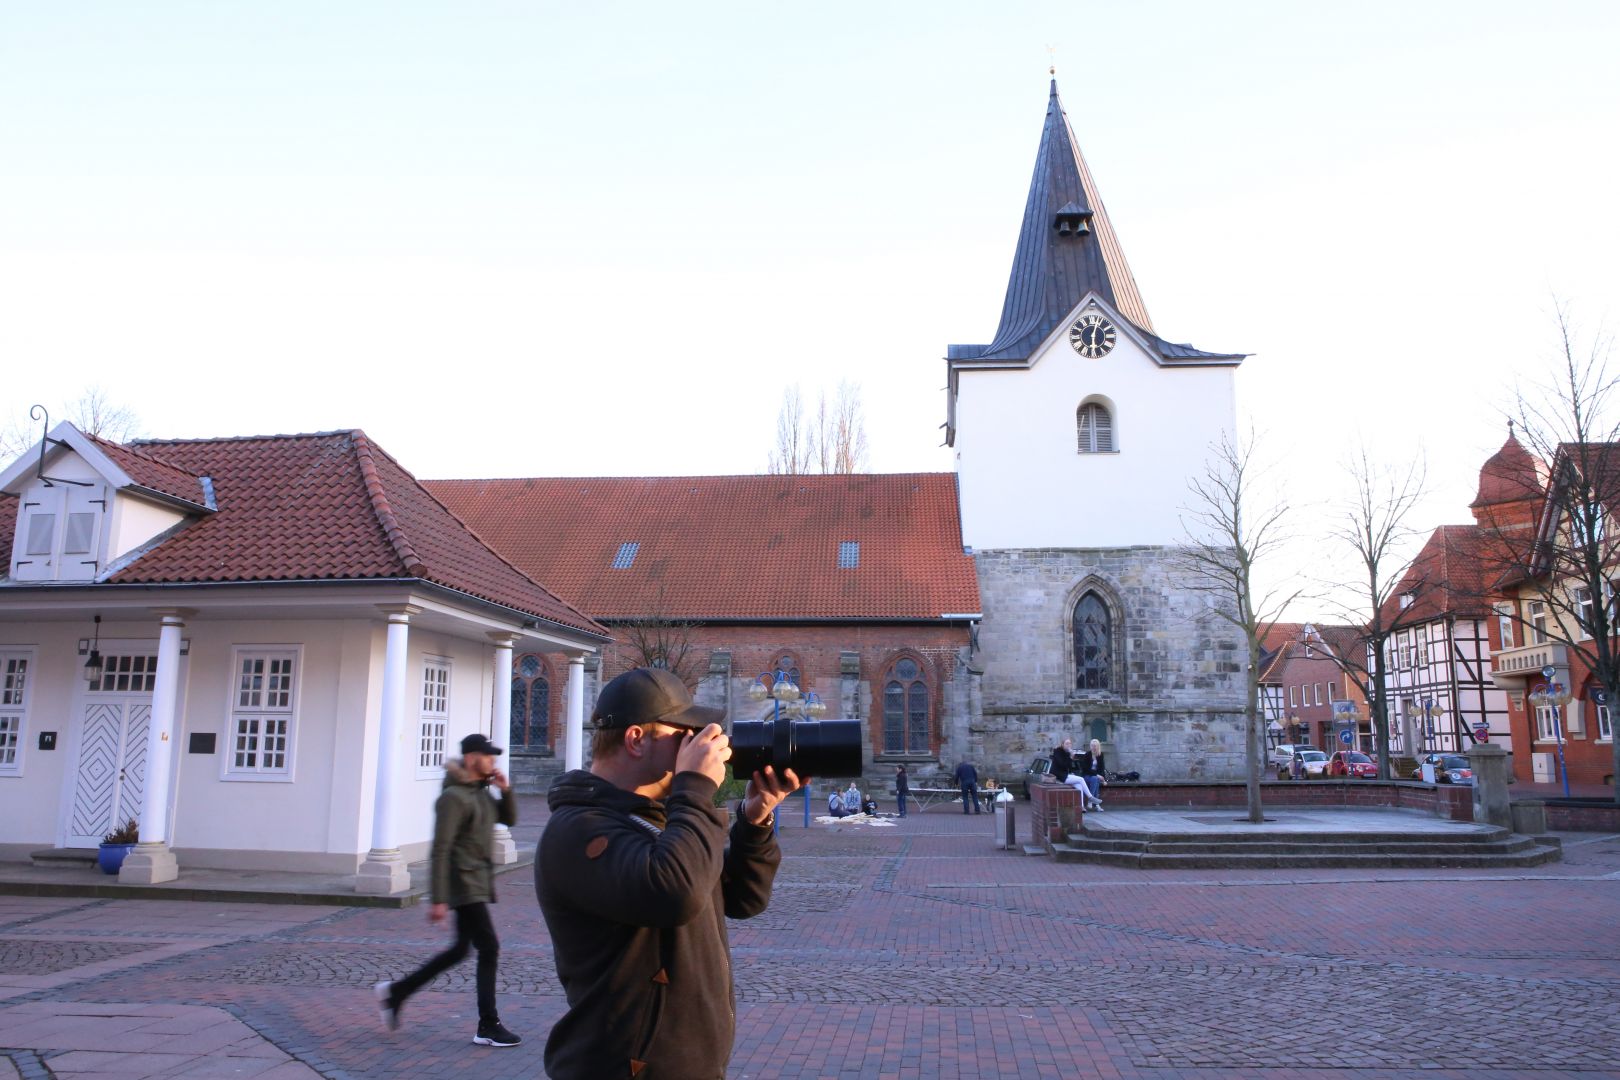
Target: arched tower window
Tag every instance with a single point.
(531, 705)
(1093, 634)
(907, 715)
(789, 664)
(1095, 426)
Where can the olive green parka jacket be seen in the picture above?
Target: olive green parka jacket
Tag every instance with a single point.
(464, 837)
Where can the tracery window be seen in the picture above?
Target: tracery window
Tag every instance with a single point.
(531, 704)
(1093, 633)
(1095, 428)
(905, 708)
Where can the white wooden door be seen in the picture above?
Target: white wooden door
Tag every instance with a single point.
(110, 779)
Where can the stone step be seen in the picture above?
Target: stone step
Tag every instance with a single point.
(1285, 846)
(1473, 836)
(63, 857)
(532, 774)
(1535, 855)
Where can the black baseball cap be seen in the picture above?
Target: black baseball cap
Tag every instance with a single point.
(478, 743)
(651, 695)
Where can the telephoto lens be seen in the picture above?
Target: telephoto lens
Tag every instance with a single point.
(818, 748)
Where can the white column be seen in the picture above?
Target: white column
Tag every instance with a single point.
(574, 740)
(505, 852)
(385, 872)
(152, 861)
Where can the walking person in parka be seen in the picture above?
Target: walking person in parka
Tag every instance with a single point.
(463, 881)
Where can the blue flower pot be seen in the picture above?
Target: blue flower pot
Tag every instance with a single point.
(111, 857)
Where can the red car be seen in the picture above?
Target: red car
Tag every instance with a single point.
(1351, 763)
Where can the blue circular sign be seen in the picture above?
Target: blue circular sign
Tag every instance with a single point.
(1347, 736)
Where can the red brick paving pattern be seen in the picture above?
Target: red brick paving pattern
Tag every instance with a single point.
(923, 952)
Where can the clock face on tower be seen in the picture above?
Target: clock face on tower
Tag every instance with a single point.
(1092, 336)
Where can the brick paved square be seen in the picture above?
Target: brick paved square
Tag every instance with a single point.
(923, 951)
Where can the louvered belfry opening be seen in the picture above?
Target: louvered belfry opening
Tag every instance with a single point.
(1095, 425)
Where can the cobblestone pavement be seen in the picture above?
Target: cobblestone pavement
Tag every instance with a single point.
(922, 951)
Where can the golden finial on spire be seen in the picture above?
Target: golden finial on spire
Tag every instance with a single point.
(1051, 56)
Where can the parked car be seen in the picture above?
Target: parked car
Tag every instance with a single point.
(1312, 763)
(1351, 763)
(1038, 768)
(1448, 768)
(1281, 753)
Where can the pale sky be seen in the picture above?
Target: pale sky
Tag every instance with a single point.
(547, 239)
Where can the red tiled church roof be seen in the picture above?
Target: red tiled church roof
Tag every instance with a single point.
(325, 507)
(757, 548)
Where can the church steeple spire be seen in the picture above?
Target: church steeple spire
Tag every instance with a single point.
(1066, 248)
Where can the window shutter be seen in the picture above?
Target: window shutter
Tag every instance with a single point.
(1085, 429)
(1105, 430)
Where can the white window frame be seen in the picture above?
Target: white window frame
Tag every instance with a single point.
(433, 724)
(14, 715)
(1420, 646)
(1605, 724)
(1316, 688)
(1547, 723)
(1291, 703)
(1583, 611)
(1504, 625)
(235, 713)
(1536, 616)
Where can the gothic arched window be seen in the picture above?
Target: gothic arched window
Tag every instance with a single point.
(788, 664)
(906, 716)
(1093, 633)
(1095, 427)
(531, 705)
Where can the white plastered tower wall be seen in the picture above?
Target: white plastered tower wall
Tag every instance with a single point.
(1023, 482)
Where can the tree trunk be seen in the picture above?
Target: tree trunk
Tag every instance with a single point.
(1614, 743)
(1253, 742)
(1380, 714)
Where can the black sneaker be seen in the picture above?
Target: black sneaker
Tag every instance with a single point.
(385, 1004)
(495, 1035)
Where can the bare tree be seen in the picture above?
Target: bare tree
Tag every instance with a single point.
(657, 640)
(93, 413)
(1373, 527)
(1569, 561)
(1230, 527)
(831, 439)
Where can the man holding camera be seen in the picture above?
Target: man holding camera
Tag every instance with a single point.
(636, 876)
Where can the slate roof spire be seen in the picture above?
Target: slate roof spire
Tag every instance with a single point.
(1066, 248)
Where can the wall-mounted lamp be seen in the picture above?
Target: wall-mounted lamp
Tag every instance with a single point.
(92, 666)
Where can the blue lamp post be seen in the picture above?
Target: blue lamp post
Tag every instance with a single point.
(785, 697)
(1553, 695)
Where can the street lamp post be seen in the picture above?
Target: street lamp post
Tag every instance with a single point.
(1431, 711)
(785, 696)
(1554, 695)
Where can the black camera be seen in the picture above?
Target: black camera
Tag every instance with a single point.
(818, 748)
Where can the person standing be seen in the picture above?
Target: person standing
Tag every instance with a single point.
(636, 876)
(967, 779)
(463, 881)
(902, 787)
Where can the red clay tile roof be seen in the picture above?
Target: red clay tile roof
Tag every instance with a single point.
(1512, 474)
(1451, 575)
(758, 548)
(149, 472)
(331, 506)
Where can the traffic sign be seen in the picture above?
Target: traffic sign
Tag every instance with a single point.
(1347, 736)
(1482, 732)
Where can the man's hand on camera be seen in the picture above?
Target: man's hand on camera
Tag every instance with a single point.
(766, 791)
(705, 752)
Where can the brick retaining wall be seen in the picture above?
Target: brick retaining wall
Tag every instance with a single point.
(1563, 817)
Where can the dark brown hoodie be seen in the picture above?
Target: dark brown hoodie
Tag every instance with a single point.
(636, 911)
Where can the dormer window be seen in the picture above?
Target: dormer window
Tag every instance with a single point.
(59, 535)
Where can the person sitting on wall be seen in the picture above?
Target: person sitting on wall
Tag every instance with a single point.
(1091, 768)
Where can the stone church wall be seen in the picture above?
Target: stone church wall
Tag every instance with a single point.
(1174, 707)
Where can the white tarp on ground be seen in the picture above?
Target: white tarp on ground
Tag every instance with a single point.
(855, 819)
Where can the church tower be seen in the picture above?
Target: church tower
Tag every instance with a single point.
(1075, 432)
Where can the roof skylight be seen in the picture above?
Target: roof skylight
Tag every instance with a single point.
(849, 554)
(627, 555)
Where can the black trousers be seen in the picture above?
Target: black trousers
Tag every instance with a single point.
(474, 929)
